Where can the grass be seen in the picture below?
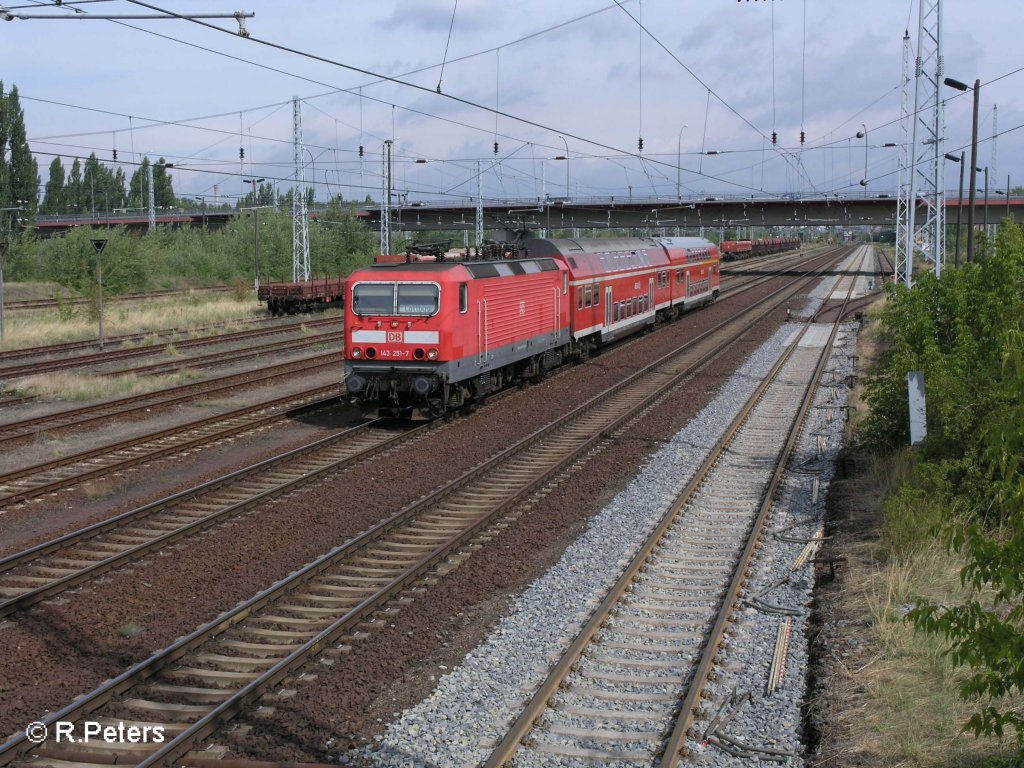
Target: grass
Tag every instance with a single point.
(185, 313)
(914, 712)
(65, 385)
(31, 291)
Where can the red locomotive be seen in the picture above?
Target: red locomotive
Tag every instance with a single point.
(427, 337)
(744, 249)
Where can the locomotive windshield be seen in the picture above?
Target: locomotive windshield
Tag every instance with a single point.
(422, 299)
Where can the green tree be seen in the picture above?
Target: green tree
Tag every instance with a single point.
(23, 178)
(53, 200)
(73, 197)
(5, 173)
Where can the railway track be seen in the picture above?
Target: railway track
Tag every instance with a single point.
(100, 358)
(627, 689)
(64, 472)
(50, 568)
(205, 678)
(59, 474)
(90, 414)
(80, 301)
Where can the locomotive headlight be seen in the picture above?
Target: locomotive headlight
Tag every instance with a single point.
(432, 354)
(394, 323)
(356, 353)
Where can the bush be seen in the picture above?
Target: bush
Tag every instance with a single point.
(965, 332)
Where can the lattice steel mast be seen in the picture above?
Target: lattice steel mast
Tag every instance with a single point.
(904, 265)
(926, 177)
(385, 200)
(300, 217)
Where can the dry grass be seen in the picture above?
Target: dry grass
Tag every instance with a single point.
(185, 313)
(912, 713)
(31, 291)
(65, 385)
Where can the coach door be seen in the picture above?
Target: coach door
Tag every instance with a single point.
(608, 307)
(650, 295)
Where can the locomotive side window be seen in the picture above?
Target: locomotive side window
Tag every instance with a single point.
(373, 298)
(579, 298)
(463, 298)
(565, 283)
(418, 299)
(597, 295)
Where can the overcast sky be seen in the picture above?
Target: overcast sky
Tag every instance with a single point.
(588, 82)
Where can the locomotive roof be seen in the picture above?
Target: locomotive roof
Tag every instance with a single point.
(477, 269)
(570, 247)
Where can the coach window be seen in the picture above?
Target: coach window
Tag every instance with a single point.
(615, 312)
(565, 283)
(589, 295)
(597, 295)
(579, 298)
(636, 302)
(463, 298)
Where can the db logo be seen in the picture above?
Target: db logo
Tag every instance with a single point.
(395, 337)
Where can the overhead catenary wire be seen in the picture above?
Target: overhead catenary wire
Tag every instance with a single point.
(451, 26)
(398, 81)
(496, 116)
(526, 37)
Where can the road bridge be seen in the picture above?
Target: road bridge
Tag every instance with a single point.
(667, 215)
(652, 214)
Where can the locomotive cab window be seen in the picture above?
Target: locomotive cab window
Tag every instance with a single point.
(418, 299)
(463, 298)
(373, 298)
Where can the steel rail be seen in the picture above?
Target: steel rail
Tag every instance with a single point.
(288, 405)
(181, 743)
(688, 710)
(58, 585)
(47, 303)
(218, 358)
(48, 590)
(160, 398)
(42, 366)
(228, 709)
(538, 703)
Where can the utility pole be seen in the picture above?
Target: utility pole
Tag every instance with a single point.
(385, 203)
(99, 244)
(925, 171)
(300, 217)
(904, 264)
(479, 207)
(3, 252)
(151, 196)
